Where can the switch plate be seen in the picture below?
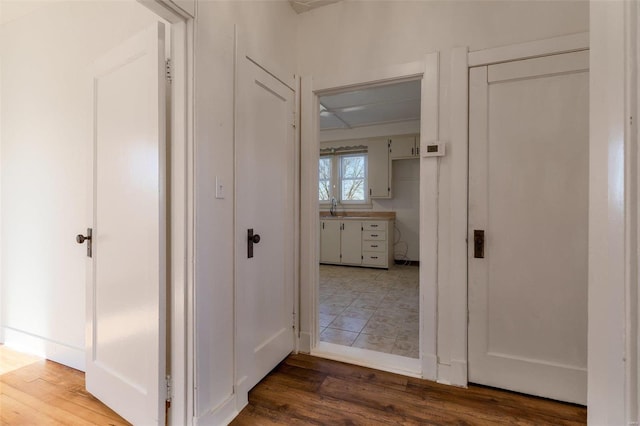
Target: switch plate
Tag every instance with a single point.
(219, 188)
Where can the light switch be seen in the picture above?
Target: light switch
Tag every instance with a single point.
(219, 188)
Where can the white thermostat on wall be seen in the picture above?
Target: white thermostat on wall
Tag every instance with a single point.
(435, 149)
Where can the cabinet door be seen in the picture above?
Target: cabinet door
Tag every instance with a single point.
(351, 239)
(330, 241)
(378, 169)
(403, 147)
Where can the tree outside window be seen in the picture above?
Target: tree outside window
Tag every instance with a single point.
(353, 174)
(343, 177)
(324, 193)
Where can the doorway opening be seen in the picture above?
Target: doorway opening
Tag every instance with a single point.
(372, 264)
(369, 204)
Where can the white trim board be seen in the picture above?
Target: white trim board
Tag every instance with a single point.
(532, 49)
(181, 326)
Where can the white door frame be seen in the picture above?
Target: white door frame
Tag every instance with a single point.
(181, 210)
(311, 87)
(461, 61)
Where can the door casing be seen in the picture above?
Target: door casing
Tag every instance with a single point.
(311, 88)
(181, 209)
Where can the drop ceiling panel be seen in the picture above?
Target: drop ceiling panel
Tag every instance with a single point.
(377, 105)
(381, 113)
(389, 93)
(330, 121)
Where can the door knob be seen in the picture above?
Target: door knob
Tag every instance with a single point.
(251, 240)
(80, 239)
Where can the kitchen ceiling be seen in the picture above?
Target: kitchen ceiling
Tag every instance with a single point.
(377, 105)
(301, 6)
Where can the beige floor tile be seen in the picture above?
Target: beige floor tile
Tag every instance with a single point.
(348, 324)
(371, 308)
(339, 337)
(374, 343)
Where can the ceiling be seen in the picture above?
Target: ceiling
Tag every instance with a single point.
(377, 105)
(302, 6)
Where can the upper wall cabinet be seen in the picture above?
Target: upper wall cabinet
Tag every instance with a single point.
(379, 174)
(404, 147)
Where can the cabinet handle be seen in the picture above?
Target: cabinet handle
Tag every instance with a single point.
(412, 149)
(374, 235)
(374, 245)
(369, 191)
(418, 151)
(374, 226)
(374, 257)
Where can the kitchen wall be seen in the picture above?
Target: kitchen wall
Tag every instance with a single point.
(45, 170)
(352, 36)
(405, 187)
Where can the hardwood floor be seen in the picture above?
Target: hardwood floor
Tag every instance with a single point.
(301, 390)
(34, 391)
(308, 390)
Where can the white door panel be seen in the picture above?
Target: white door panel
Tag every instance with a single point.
(265, 161)
(528, 190)
(127, 281)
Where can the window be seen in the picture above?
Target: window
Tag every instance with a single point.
(353, 177)
(343, 177)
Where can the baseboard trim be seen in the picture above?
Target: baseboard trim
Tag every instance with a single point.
(70, 356)
(222, 414)
(304, 343)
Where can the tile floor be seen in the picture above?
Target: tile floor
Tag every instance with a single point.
(369, 308)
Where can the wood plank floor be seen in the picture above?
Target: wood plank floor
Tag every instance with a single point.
(34, 391)
(308, 390)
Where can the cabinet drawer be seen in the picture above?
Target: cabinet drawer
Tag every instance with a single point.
(375, 259)
(374, 235)
(374, 226)
(377, 246)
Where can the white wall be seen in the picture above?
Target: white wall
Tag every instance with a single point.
(45, 168)
(349, 37)
(406, 203)
(268, 30)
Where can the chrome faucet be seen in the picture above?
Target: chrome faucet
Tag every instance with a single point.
(334, 206)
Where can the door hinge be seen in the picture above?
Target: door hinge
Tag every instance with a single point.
(294, 120)
(167, 68)
(169, 390)
(293, 320)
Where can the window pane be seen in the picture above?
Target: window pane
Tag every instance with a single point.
(324, 189)
(325, 168)
(353, 167)
(352, 190)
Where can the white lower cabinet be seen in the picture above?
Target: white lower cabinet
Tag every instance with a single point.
(330, 241)
(351, 243)
(357, 242)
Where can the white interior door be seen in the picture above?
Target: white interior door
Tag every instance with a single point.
(265, 165)
(127, 280)
(528, 191)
